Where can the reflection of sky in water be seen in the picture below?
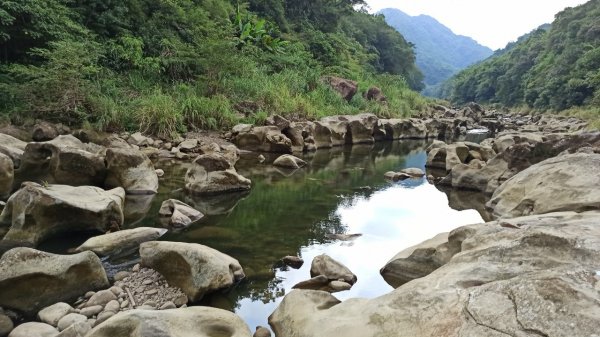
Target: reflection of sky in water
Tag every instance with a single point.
(390, 220)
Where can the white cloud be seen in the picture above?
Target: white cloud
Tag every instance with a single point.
(491, 23)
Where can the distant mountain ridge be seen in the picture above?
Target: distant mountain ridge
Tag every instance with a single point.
(440, 52)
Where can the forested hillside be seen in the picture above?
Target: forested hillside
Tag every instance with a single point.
(440, 52)
(164, 66)
(553, 68)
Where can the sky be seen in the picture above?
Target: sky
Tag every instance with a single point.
(491, 23)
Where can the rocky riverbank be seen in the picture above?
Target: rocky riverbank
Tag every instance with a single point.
(540, 175)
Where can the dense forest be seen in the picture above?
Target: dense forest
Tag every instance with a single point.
(440, 52)
(164, 66)
(552, 68)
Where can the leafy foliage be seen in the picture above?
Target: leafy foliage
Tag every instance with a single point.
(171, 66)
(551, 68)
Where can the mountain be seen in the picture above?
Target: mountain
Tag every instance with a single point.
(555, 67)
(440, 52)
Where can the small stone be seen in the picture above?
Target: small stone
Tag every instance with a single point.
(6, 325)
(69, 320)
(79, 329)
(113, 306)
(104, 316)
(32, 329)
(125, 304)
(120, 276)
(167, 305)
(92, 322)
(116, 290)
(89, 294)
(147, 282)
(136, 268)
(146, 307)
(101, 298)
(52, 314)
(181, 300)
(159, 172)
(151, 292)
(261, 158)
(150, 304)
(261, 331)
(339, 286)
(293, 261)
(91, 311)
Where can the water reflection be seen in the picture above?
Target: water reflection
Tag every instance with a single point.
(342, 190)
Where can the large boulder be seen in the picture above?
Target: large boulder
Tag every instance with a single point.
(63, 160)
(36, 212)
(532, 275)
(331, 130)
(261, 139)
(44, 131)
(568, 182)
(346, 88)
(214, 173)
(361, 128)
(185, 322)
(130, 169)
(31, 280)
(410, 128)
(7, 175)
(120, 241)
(12, 147)
(194, 268)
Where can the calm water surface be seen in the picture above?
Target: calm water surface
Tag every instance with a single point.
(291, 212)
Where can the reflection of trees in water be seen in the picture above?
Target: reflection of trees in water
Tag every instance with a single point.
(283, 212)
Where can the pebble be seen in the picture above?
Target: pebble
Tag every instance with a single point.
(52, 314)
(181, 301)
(32, 329)
(101, 298)
(150, 304)
(6, 325)
(69, 320)
(91, 311)
(113, 306)
(151, 292)
(121, 275)
(116, 290)
(124, 304)
(147, 282)
(89, 294)
(136, 268)
(146, 307)
(104, 316)
(167, 305)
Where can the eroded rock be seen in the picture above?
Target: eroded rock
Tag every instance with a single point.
(31, 280)
(194, 268)
(120, 241)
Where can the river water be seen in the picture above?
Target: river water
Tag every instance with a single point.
(292, 212)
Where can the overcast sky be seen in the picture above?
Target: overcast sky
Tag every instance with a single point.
(491, 23)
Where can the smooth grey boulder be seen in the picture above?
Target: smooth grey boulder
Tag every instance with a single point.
(31, 280)
(568, 182)
(52, 314)
(261, 139)
(63, 160)
(130, 169)
(6, 325)
(34, 329)
(194, 268)
(7, 175)
(213, 173)
(69, 320)
(36, 212)
(505, 278)
(13, 148)
(123, 240)
(177, 214)
(334, 271)
(289, 161)
(183, 322)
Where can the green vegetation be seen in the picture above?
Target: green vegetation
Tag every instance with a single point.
(440, 52)
(554, 68)
(165, 66)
